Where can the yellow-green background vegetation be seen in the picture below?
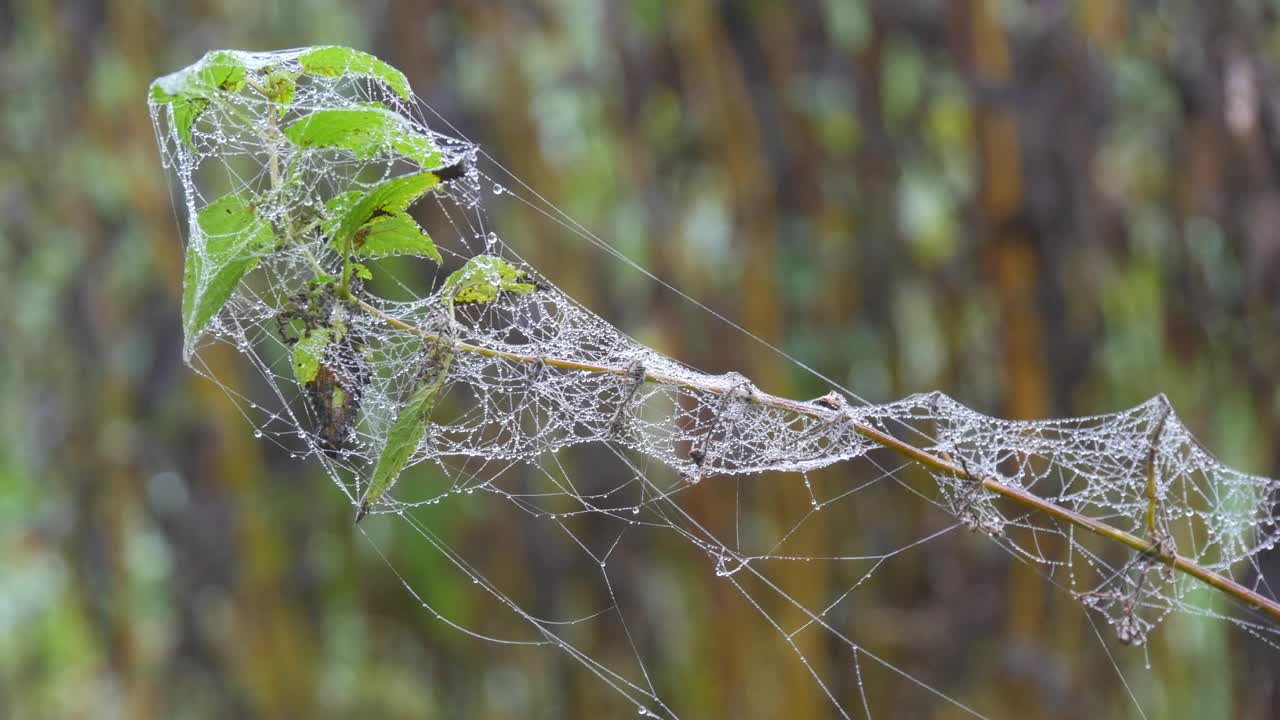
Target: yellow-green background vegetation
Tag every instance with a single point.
(1041, 208)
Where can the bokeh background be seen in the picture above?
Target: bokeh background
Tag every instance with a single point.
(1042, 208)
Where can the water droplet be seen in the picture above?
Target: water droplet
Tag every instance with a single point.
(498, 189)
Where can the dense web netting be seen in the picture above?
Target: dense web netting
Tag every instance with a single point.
(527, 375)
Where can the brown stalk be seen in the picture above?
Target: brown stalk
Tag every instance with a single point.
(1149, 548)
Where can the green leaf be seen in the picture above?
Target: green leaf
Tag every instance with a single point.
(409, 427)
(185, 111)
(418, 148)
(364, 273)
(220, 70)
(335, 61)
(374, 223)
(307, 354)
(365, 132)
(281, 88)
(189, 91)
(235, 238)
(397, 234)
(337, 209)
(397, 194)
(482, 278)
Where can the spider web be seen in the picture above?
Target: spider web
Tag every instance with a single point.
(541, 387)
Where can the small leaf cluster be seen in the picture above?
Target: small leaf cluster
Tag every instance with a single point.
(238, 231)
(328, 359)
(190, 92)
(361, 224)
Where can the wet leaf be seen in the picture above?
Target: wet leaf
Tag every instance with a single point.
(234, 237)
(410, 426)
(281, 88)
(336, 61)
(308, 352)
(188, 92)
(398, 234)
(363, 131)
(374, 224)
(482, 278)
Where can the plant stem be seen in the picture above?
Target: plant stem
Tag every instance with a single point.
(1149, 548)
(275, 153)
(272, 140)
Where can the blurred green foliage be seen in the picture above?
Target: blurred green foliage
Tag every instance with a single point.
(1041, 208)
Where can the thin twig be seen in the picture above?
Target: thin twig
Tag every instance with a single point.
(1150, 548)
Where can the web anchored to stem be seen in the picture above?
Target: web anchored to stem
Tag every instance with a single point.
(298, 170)
(1156, 548)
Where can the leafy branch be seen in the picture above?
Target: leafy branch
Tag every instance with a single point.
(359, 224)
(362, 223)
